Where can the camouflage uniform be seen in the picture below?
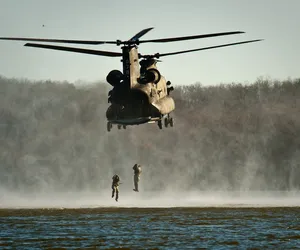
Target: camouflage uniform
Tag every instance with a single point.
(136, 178)
(115, 186)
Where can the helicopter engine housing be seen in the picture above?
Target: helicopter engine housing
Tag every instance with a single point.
(114, 77)
(153, 75)
(150, 75)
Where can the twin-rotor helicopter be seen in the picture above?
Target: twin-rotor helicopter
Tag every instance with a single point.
(139, 94)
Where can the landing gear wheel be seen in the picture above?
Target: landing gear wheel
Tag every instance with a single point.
(119, 126)
(124, 126)
(159, 123)
(167, 122)
(109, 126)
(171, 121)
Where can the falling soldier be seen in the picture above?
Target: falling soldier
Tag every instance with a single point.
(115, 186)
(136, 178)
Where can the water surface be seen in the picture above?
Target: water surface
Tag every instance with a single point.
(151, 228)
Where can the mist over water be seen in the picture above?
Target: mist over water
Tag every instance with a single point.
(149, 200)
(231, 145)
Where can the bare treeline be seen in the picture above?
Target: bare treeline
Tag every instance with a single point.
(228, 137)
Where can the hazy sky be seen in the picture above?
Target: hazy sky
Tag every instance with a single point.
(276, 21)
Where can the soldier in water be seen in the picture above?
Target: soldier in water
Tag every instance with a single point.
(136, 178)
(115, 186)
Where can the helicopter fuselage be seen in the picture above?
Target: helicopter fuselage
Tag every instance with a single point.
(141, 94)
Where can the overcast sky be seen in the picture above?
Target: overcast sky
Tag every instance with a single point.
(276, 21)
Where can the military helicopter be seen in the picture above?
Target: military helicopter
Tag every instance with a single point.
(140, 94)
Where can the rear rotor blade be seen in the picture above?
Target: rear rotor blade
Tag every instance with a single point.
(87, 42)
(182, 38)
(76, 50)
(205, 48)
(140, 34)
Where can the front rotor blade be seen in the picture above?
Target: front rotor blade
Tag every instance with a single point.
(87, 42)
(77, 50)
(205, 48)
(182, 38)
(140, 34)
